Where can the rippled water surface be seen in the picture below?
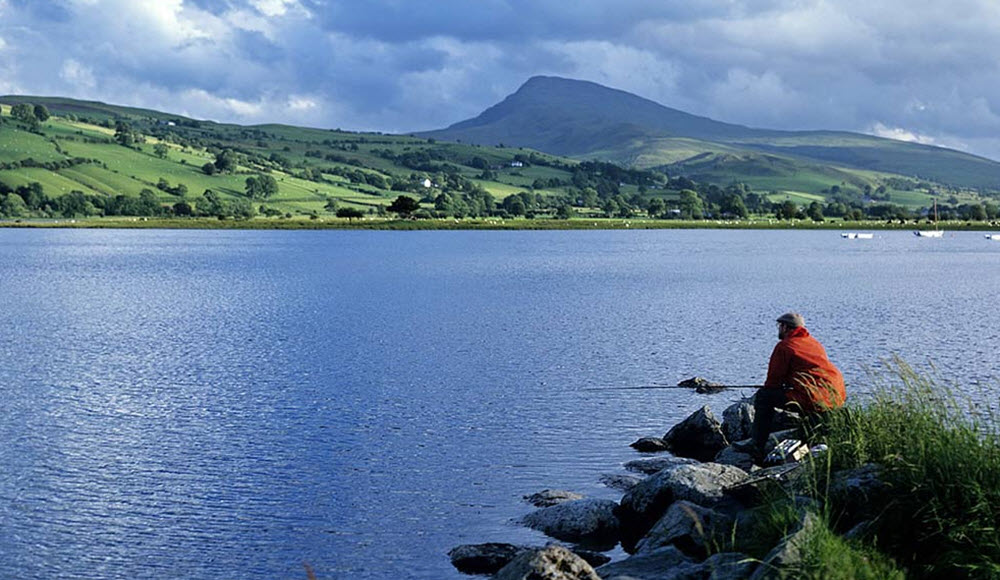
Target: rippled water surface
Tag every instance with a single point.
(217, 404)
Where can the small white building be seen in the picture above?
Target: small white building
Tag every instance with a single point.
(516, 164)
(427, 183)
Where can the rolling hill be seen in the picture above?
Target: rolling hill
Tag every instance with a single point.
(80, 149)
(85, 158)
(585, 120)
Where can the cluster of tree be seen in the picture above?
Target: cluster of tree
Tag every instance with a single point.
(31, 115)
(212, 204)
(376, 180)
(261, 187)
(429, 160)
(49, 165)
(126, 136)
(334, 157)
(226, 161)
(179, 190)
(31, 201)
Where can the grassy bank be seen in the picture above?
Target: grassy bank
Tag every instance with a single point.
(941, 462)
(374, 223)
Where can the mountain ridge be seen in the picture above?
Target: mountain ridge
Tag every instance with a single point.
(586, 120)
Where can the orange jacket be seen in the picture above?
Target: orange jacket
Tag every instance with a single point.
(799, 364)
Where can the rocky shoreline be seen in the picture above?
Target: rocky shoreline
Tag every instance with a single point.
(687, 510)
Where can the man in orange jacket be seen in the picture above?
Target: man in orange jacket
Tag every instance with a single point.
(799, 378)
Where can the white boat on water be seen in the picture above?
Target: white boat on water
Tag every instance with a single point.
(857, 235)
(993, 237)
(935, 233)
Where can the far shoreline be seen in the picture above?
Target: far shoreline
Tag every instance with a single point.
(480, 224)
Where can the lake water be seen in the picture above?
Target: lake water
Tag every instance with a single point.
(214, 404)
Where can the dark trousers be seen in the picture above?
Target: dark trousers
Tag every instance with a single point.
(764, 404)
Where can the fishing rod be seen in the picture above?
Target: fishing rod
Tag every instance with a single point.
(700, 389)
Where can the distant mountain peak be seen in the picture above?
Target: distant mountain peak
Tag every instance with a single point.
(584, 119)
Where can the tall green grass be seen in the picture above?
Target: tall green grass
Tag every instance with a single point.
(942, 459)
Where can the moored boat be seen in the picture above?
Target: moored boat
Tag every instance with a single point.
(935, 233)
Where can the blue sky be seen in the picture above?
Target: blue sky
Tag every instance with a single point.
(921, 71)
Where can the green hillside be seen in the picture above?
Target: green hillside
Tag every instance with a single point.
(106, 151)
(67, 158)
(588, 121)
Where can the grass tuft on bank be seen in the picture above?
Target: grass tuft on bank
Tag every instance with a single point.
(940, 455)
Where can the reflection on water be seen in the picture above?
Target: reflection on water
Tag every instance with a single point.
(220, 404)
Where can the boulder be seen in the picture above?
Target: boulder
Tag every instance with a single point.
(701, 385)
(737, 421)
(693, 529)
(649, 445)
(700, 483)
(789, 552)
(489, 558)
(586, 521)
(595, 559)
(662, 564)
(728, 566)
(733, 456)
(862, 531)
(654, 464)
(551, 497)
(620, 481)
(770, 482)
(483, 558)
(698, 437)
(858, 494)
(550, 563)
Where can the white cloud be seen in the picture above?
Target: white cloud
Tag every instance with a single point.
(272, 8)
(3, 43)
(77, 75)
(900, 134)
(619, 66)
(300, 104)
(198, 100)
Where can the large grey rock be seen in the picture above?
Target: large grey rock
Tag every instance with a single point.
(654, 464)
(737, 421)
(551, 497)
(593, 558)
(649, 445)
(550, 563)
(859, 494)
(662, 564)
(620, 481)
(788, 554)
(728, 566)
(733, 456)
(587, 521)
(698, 437)
(770, 482)
(489, 558)
(862, 531)
(693, 529)
(485, 558)
(701, 483)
